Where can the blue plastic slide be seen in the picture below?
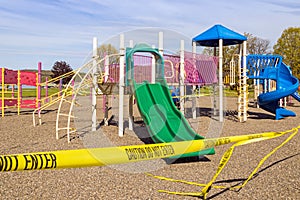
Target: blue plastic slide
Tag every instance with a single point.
(287, 85)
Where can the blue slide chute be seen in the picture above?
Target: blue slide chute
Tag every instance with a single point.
(271, 67)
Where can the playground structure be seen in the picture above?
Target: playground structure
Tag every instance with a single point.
(265, 69)
(14, 82)
(164, 122)
(219, 36)
(53, 98)
(188, 69)
(11, 98)
(183, 71)
(272, 80)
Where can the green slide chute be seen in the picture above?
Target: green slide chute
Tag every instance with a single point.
(165, 123)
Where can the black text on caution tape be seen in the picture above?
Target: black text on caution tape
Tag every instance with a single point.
(140, 153)
(29, 162)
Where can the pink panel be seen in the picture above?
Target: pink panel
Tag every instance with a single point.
(168, 68)
(200, 69)
(9, 102)
(114, 70)
(28, 103)
(142, 68)
(28, 78)
(10, 76)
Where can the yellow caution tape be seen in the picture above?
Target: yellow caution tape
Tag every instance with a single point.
(224, 161)
(126, 154)
(87, 157)
(116, 155)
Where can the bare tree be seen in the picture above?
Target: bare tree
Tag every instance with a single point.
(256, 45)
(108, 49)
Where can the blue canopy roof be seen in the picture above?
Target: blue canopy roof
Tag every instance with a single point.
(211, 37)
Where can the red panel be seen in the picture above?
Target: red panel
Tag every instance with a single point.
(9, 102)
(28, 103)
(28, 78)
(10, 76)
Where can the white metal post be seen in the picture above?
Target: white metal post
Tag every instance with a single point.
(181, 81)
(130, 116)
(265, 85)
(153, 65)
(105, 101)
(131, 43)
(194, 98)
(240, 84)
(221, 80)
(215, 91)
(94, 98)
(245, 81)
(121, 85)
(106, 69)
(161, 43)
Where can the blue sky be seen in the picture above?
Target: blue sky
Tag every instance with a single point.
(51, 30)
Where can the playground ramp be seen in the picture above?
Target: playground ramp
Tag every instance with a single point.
(165, 123)
(287, 85)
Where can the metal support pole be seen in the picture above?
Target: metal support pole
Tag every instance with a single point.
(181, 81)
(245, 81)
(221, 80)
(153, 65)
(194, 113)
(105, 99)
(121, 85)
(161, 43)
(240, 85)
(94, 98)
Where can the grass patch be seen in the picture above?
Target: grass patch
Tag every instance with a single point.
(228, 92)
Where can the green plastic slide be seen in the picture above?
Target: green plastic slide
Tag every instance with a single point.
(165, 123)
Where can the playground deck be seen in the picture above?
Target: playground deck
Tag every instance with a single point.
(278, 177)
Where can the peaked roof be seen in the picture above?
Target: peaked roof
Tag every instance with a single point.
(211, 37)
